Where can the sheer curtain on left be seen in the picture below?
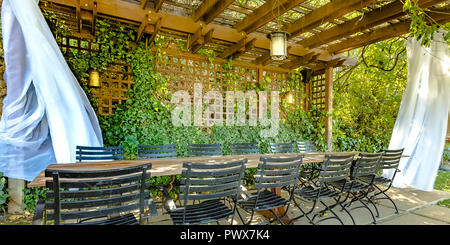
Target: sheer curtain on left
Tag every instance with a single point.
(46, 114)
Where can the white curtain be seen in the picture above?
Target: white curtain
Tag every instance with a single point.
(45, 113)
(422, 119)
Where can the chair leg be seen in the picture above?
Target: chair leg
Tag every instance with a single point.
(371, 213)
(348, 212)
(373, 204)
(386, 197)
(304, 214)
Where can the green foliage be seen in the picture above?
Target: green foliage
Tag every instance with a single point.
(3, 192)
(367, 99)
(422, 25)
(31, 196)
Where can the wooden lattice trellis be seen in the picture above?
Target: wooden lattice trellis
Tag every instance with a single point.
(183, 70)
(318, 92)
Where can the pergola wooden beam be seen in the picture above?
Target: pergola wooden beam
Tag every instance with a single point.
(144, 3)
(380, 34)
(301, 61)
(158, 5)
(210, 9)
(248, 46)
(358, 24)
(234, 48)
(269, 11)
(142, 28)
(183, 24)
(204, 40)
(155, 32)
(324, 14)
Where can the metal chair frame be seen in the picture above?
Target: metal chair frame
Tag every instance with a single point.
(92, 153)
(334, 168)
(244, 148)
(213, 185)
(272, 173)
(281, 147)
(157, 151)
(166, 151)
(390, 159)
(79, 196)
(365, 166)
(205, 150)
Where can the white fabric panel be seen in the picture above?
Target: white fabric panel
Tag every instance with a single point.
(421, 124)
(46, 114)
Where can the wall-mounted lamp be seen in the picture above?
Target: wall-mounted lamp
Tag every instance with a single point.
(290, 98)
(94, 78)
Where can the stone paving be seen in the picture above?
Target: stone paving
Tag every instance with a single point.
(416, 207)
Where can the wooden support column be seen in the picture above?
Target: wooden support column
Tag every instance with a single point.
(329, 107)
(15, 195)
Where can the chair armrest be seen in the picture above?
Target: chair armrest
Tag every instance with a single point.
(39, 212)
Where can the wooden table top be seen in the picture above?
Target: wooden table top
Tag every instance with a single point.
(173, 166)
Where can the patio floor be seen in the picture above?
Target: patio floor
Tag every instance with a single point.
(416, 207)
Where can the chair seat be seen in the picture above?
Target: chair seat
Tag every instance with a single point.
(310, 193)
(202, 213)
(354, 185)
(127, 219)
(377, 180)
(267, 200)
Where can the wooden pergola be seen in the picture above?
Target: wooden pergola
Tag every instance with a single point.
(319, 31)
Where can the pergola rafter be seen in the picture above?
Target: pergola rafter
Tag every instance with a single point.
(322, 32)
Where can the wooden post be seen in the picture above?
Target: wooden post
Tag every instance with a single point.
(329, 107)
(15, 195)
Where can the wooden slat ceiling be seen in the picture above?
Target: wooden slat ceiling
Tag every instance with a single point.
(320, 30)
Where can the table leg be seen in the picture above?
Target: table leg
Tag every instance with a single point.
(279, 211)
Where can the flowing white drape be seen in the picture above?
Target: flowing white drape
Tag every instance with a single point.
(45, 113)
(421, 124)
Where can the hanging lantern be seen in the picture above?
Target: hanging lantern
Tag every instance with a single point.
(278, 45)
(94, 78)
(290, 98)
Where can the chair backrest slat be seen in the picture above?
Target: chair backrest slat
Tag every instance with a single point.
(366, 165)
(92, 153)
(277, 172)
(244, 148)
(306, 146)
(211, 180)
(335, 168)
(157, 151)
(205, 150)
(97, 193)
(281, 147)
(390, 159)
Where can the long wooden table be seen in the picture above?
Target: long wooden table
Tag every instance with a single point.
(173, 166)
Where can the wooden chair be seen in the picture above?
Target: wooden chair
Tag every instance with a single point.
(213, 185)
(96, 197)
(90, 153)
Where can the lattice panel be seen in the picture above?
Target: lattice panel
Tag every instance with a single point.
(318, 91)
(184, 70)
(115, 83)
